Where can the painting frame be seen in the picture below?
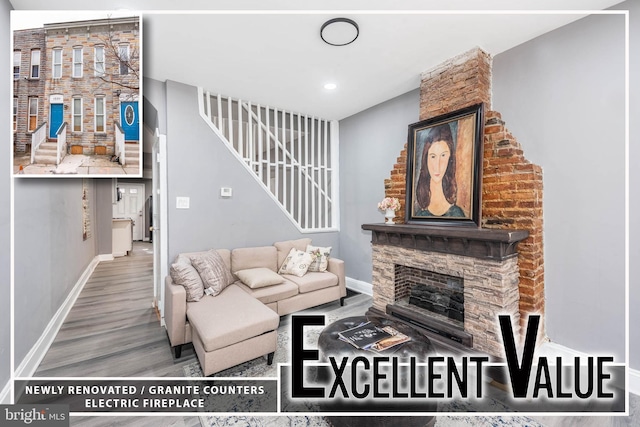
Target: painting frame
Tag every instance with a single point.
(453, 197)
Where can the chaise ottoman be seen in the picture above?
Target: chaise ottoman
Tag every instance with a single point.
(231, 328)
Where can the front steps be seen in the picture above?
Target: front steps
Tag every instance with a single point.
(46, 153)
(132, 154)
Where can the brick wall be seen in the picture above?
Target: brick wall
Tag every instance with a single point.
(25, 87)
(511, 185)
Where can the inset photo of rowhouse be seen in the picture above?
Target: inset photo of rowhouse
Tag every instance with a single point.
(76, 93)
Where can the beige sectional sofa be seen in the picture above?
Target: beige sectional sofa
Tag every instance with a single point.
(240, 323)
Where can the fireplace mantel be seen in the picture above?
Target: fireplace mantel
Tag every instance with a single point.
(474, 242)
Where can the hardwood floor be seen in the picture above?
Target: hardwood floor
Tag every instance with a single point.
(113, 331)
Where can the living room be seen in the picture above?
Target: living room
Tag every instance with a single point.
(560, 95)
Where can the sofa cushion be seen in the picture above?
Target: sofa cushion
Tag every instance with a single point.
(263, 256)
(182, 273)
(259, 277)
(213, 271)
(285, 247)
(297, 263)
(272, 293)
(231, 317)
(322, 257)
(312, 281)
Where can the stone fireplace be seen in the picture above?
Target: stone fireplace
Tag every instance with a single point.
(472, 275)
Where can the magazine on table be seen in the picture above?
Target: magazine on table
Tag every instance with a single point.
(395, 339)
(364, 335)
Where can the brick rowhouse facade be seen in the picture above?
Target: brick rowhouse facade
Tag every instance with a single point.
(25, 87)
(511, 185)
(75, 74)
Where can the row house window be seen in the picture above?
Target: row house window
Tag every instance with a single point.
(76, 115)
(33, 113)
(123, 54)
(57, 63)
(99, 60)
(35, 64)
(77, 62)
(17, 57)
(100, 114)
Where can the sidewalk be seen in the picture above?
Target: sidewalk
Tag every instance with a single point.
(73, 164)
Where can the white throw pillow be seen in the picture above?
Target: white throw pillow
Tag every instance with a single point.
(321, 262)
(296, 263)
(259, 277)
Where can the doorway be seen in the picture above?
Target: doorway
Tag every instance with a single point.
(129, 120)
(131, 205)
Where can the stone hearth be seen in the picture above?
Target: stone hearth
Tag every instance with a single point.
(486, 261)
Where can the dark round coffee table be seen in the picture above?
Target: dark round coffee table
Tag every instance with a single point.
(329, 344)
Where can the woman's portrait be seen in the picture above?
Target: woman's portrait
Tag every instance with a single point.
(444, 167)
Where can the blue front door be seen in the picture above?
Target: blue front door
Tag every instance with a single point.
(129, 120)
(55, 119)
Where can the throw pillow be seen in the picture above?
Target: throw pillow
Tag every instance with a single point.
(296, 263)
(185, 275)
(213, 271)
(321, 262)
(259, 277)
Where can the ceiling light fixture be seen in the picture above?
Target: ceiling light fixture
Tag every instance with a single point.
(330, 86)
(339, 31)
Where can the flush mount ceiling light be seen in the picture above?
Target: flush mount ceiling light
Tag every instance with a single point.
(330, 86)
(339, 31)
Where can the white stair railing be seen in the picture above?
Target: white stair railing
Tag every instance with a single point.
(61, 144)
(293, 156)
(119, 146)
(38, 137)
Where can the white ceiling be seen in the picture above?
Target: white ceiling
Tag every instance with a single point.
(276, 56)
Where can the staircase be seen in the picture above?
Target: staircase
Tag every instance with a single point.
(46, 153)
(293, 156)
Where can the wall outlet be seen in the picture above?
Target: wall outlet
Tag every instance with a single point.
(182, 202)
(226, 192)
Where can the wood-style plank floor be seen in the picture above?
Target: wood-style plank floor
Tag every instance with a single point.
(112, 330)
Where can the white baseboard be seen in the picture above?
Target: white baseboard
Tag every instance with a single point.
(32, 360)
(105, 257)
(359, 286)
(5, 394)
(634, 381)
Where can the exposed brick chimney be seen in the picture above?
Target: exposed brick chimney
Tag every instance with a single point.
(511, 185)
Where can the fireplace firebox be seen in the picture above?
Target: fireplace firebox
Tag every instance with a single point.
(451, 281)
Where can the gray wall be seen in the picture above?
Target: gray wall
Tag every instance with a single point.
(104, 213)
(5, 209)
(377, 134)
(155, 92)
(634, 183)
(49, 252)
(562, 97)
(198, 165)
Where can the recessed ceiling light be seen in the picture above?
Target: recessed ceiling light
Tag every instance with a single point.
(330, 86)
(339, 31)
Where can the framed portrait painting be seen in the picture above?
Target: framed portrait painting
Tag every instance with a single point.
(444, 169)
